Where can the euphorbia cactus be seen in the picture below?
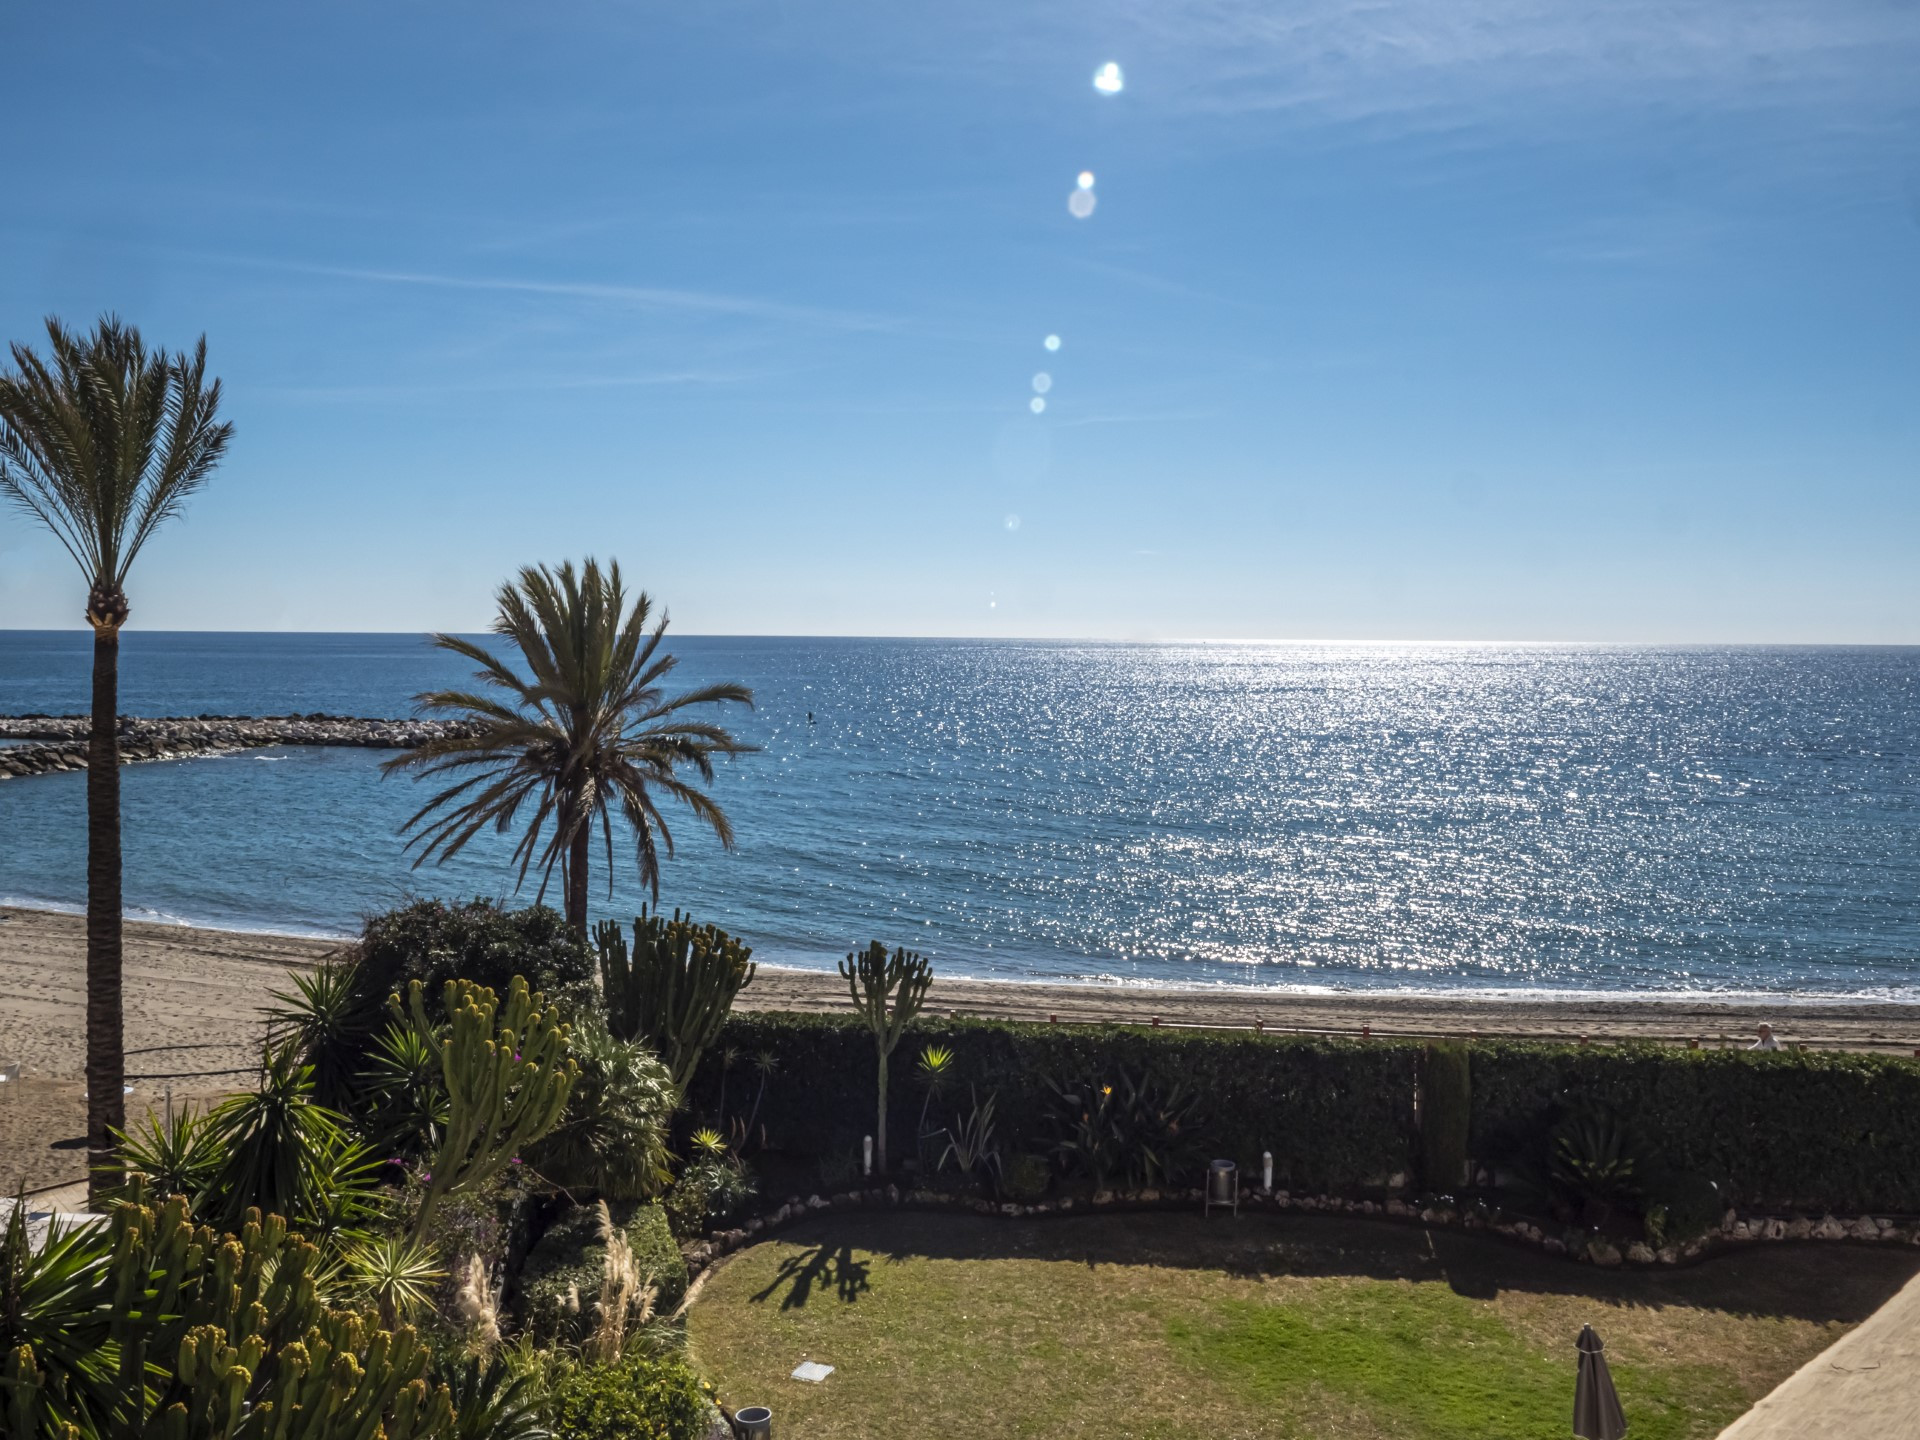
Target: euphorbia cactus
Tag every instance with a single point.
(507, 1074)
(202, 1336)
(888, 991)
(675, 990)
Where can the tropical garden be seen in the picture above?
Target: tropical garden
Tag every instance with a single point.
(488, 1149)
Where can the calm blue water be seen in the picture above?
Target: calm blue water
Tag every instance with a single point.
(1569, 818)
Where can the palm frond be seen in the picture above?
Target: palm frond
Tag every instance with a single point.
(566, 728)
(106, 440)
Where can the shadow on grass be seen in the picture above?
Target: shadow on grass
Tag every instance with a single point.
(1818, 1282)
(822, 1265)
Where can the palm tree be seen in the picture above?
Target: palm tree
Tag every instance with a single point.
(590, 731)
(102, 442)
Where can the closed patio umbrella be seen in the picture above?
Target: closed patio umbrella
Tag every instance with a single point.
(1596, 1408)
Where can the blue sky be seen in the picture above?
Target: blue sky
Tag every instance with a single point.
(1419, 319)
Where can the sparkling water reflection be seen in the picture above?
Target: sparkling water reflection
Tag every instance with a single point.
(1649, 819)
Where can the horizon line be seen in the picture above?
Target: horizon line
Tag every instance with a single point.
(1084, 639)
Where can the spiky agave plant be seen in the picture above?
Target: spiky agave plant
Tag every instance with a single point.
(936, 1068)
(178, 1154)
(585, 733)
(396, 1273)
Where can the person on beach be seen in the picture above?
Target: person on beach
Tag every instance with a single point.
(1767, 1040)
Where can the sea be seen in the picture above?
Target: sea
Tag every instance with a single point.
(1540, 819)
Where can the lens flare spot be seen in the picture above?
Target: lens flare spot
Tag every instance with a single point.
(1037, 405)
(1052, 342)
(1013, 522)
(1109, 80)
(1042, 383)
(1081, 204)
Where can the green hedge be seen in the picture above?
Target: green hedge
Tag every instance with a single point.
(1811, 1131)
(1334, 1112)
(1779, 1130)
(570, 1256)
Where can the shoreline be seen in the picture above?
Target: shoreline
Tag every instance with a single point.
(1247, 992)
(196, 998)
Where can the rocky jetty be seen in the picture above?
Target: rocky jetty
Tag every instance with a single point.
(62, 739)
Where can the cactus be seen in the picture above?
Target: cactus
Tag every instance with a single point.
(507, 1074)
(675, 991)
(888, 991)
(206, 1336)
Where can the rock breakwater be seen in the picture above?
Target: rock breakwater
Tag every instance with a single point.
(62, 739)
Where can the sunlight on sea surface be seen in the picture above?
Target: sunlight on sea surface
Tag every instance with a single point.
(1431, 816)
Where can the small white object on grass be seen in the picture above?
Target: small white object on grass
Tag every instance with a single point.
(811, 1371)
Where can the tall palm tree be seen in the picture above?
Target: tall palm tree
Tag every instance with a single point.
(103, 441)
(588, 733)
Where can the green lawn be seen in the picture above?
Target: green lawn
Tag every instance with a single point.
(1170, 1326)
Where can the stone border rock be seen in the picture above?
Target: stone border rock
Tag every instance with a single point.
(1567, 1243)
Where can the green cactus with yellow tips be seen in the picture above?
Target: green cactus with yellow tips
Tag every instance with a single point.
(675, 989)
(196, 1335)
(507, 1075)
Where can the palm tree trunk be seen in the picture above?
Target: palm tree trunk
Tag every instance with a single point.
(577, 880)
(106, 1057)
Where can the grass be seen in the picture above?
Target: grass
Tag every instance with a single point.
(1170, 1326)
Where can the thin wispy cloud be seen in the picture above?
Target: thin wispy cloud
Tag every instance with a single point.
(1398, 57)
(514, 385)
(646, 297)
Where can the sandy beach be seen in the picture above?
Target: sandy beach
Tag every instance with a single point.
(196, 1001)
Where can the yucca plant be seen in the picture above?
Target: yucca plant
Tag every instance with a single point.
(395, 1273)
(405, 1092)
(285, 1154)
(322, 1016)
(176, 1155)
(1589, 1159)
(59, 1361)
(936, 1067)
(765, 1065)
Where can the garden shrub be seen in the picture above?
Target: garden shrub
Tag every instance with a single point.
(561, 1279)
(713, 1189)
(434, 942)
(339, 1017)
(1446, 1109)
(612, 1141)
(637, 1397)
